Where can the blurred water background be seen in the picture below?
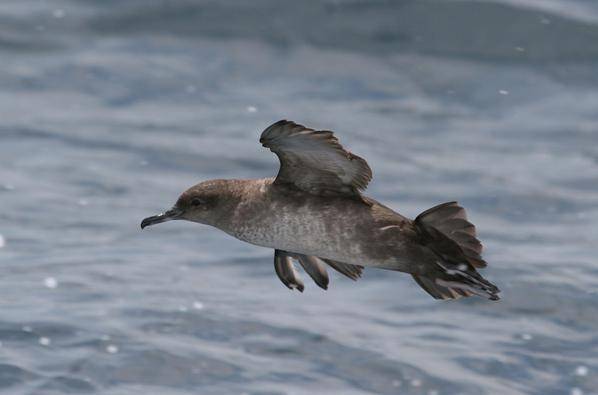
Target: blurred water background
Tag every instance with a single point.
(109, 109)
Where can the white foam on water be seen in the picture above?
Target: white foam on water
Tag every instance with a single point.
(198, 305)
(251, 109)
(45, 341)
(111, 349)
(2, 241)
(51, 282)
(581, 370)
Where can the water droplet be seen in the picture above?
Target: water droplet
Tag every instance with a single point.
(545, 21)
(416, 382)
(44, 341)
(503, 92)
(50, 282)
(198, 305)
(58, 13)
(2, 241)
(251, 109)
(111, 349)
(581, 370)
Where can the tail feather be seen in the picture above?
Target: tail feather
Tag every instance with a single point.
(467, 279)
(454, 284)
(438, 291)
(450, 219)
(446, 231)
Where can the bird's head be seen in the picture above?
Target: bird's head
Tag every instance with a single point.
(205, 203)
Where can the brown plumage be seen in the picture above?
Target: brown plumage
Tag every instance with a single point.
(314, 161)
(314, 212)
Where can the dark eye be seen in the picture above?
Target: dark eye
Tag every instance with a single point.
(196, 202)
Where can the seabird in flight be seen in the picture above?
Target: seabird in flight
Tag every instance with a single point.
(313, 212)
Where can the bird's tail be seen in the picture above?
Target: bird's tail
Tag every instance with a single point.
(446, 230)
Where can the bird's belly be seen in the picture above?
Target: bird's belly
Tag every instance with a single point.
(336, 237)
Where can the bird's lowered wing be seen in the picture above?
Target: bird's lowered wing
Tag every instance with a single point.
(314, 161)
(283, 264)
(315, 267)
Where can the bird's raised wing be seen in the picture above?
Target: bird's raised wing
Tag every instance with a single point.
(314, 161)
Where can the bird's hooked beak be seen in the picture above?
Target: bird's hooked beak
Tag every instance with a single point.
(173, 213)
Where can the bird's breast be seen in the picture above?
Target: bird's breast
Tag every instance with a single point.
(329, 228)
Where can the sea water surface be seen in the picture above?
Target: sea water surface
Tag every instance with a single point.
(109, 109)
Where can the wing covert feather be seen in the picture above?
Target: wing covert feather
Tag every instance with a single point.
(314, 161)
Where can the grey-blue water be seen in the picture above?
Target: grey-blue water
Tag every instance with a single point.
(109, 109)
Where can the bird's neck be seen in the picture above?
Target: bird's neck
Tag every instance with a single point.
(236, 197)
